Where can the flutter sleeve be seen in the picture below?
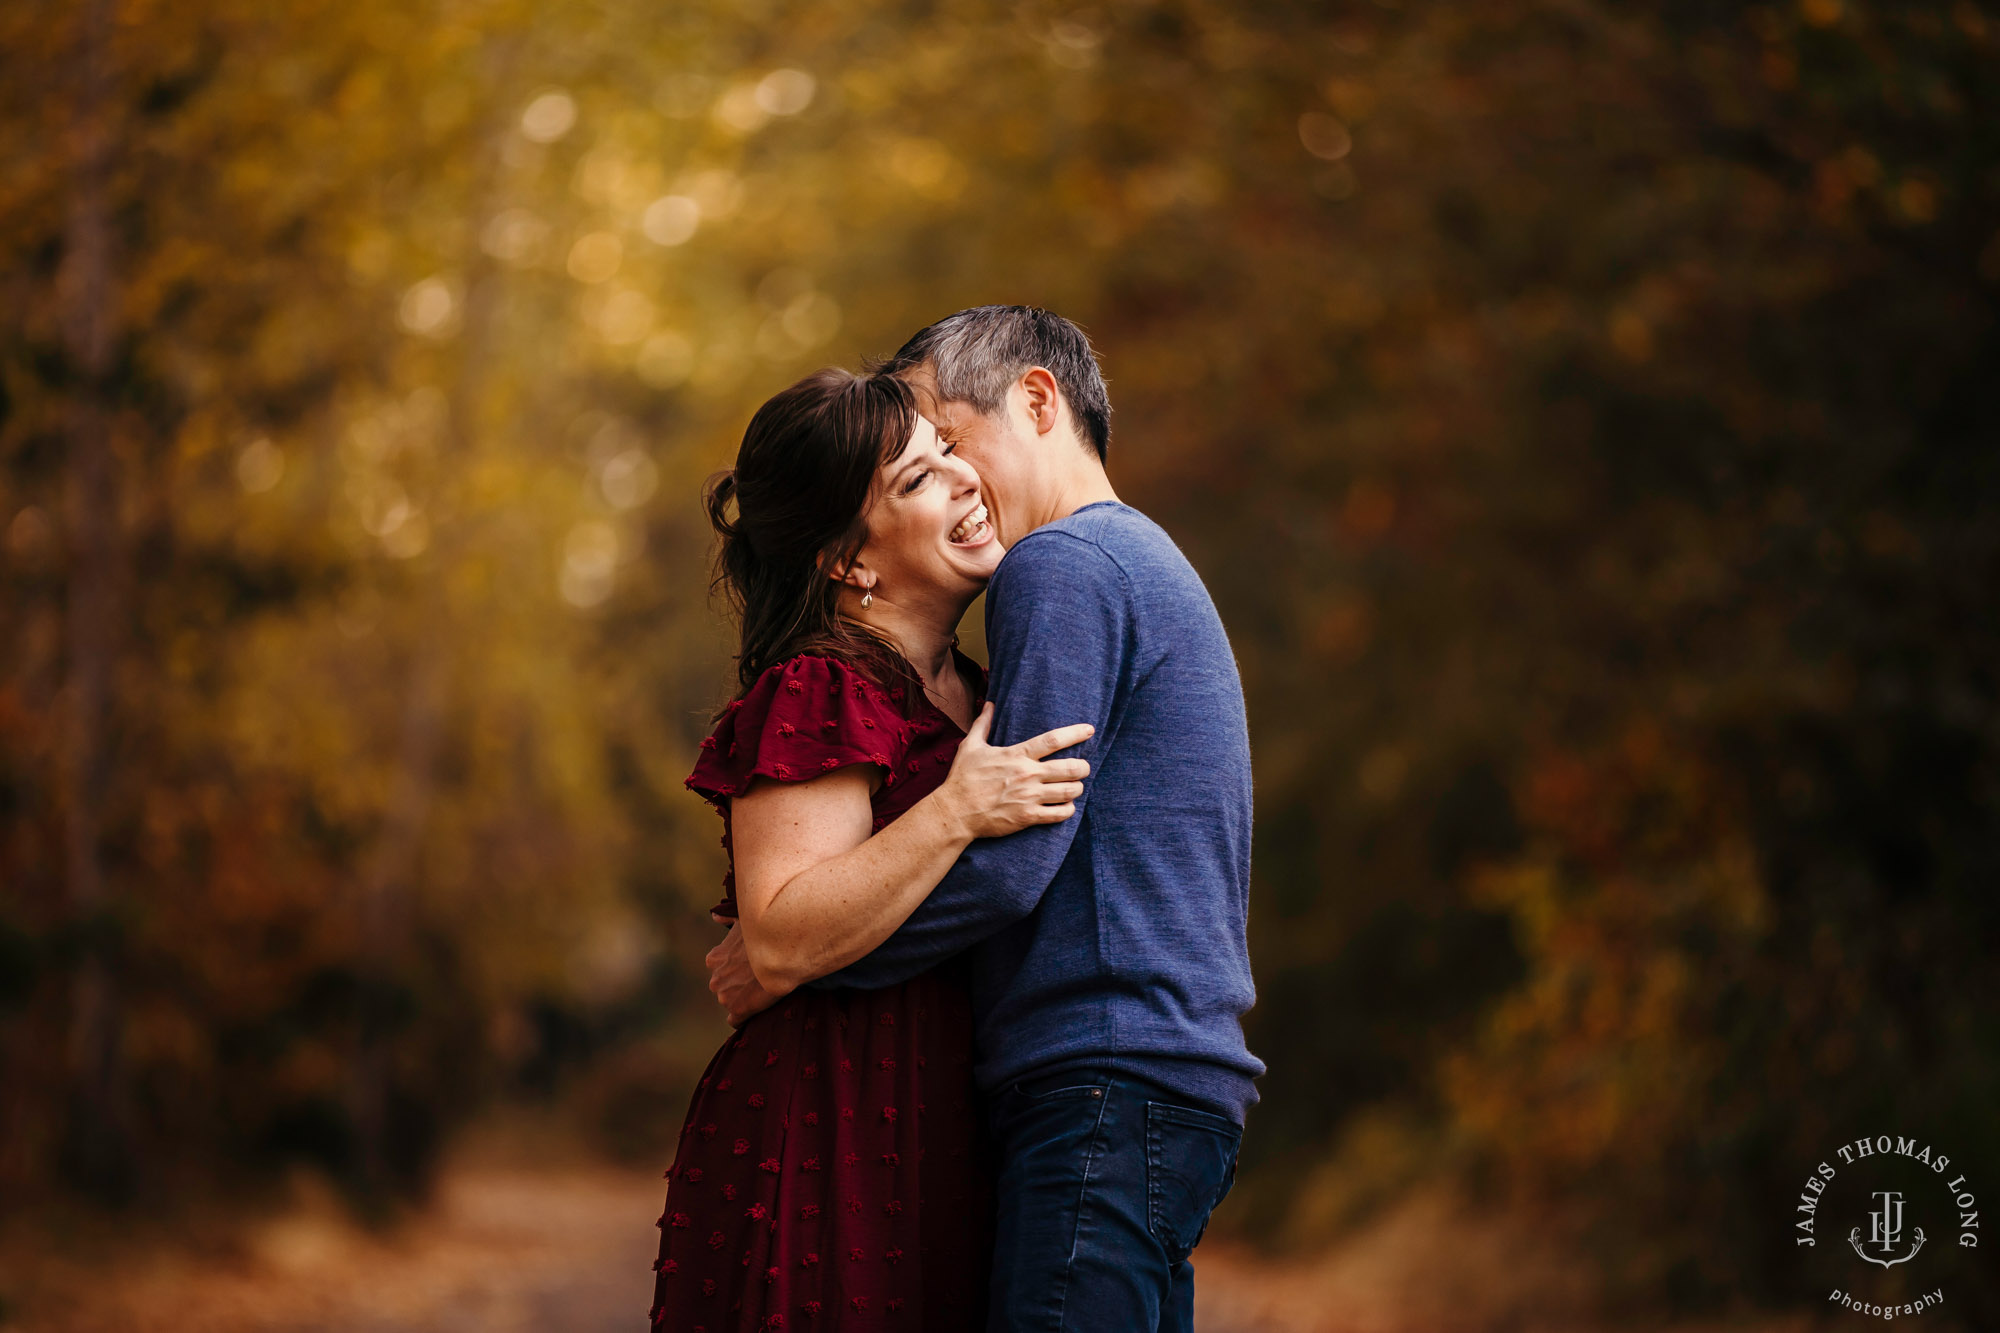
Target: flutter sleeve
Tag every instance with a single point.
(803, 718)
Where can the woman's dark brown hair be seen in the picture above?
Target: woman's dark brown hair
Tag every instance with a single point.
(800, 488)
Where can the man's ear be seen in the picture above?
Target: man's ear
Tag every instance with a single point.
(1043, 399)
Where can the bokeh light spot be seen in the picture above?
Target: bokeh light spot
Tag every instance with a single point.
(379, 504)
(514, 236)
(785, 92)
(549, 117)
(739, 109)
(260, 466)
(629, 479)
(1073, 44)
(1324, 137)
(409, 538)
(718, 193)
(627, 317)
(428, 307)
(590, 563)
(30, 533)
(671, 220)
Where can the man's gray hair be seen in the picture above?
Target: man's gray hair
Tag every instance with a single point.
(976, 355)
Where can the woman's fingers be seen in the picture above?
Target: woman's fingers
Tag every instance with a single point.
(1059, 739)
(1011, 787)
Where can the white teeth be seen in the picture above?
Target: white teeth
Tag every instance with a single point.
(969, 526)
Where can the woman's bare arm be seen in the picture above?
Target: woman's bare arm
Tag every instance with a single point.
(813, 888)
(815, 891)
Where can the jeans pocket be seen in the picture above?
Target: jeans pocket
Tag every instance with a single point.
(1075, 1092)
(1190, 1165)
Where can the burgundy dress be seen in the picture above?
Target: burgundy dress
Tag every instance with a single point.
(831, 1173)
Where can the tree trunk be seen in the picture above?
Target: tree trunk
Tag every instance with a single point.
(98, 1150)
(388, 879)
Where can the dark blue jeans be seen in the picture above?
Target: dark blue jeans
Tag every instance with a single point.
(1106, 1183)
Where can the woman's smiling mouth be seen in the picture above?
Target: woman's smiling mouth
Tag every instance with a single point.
(972, 530)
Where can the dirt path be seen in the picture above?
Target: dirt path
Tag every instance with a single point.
(502, 1252)
(569, 1250)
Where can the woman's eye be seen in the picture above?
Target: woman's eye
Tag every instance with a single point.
(916, 481)
(950, 449)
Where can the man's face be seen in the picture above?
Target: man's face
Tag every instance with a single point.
(1004, 463)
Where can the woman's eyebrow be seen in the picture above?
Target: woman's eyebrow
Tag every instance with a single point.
(899, 465)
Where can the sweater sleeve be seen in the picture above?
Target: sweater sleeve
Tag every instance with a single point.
(1059, 620)
(804, 717)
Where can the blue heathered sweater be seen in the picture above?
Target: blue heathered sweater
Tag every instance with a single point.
(1117, 937)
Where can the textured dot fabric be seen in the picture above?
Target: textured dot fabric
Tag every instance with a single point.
(831, 1173)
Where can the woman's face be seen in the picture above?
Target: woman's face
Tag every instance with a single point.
(928, 535)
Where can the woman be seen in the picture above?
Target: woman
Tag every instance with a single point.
(829, 1173)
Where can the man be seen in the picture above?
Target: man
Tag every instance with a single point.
(1108, 954)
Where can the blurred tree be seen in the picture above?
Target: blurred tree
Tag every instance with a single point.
(97, 1146)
